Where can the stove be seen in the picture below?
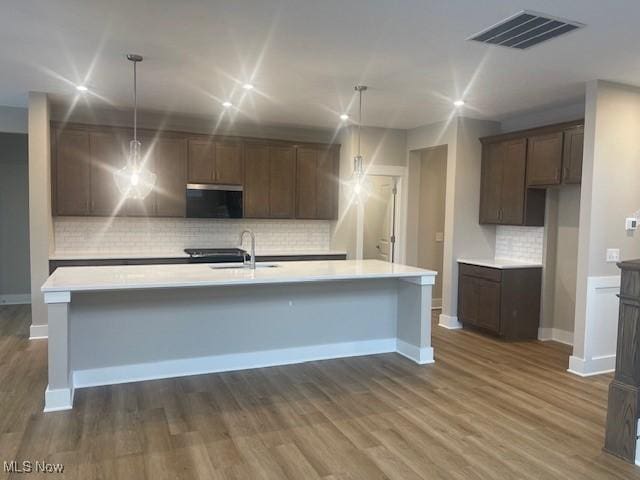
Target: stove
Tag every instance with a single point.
(215, 255)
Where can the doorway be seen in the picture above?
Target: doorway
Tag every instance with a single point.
(380, 220)
(431, 214)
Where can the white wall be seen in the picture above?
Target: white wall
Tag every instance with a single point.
(540, 118)
(15, 285)
(40, 220)
(610, 192)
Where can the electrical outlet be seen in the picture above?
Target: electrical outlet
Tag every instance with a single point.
(630, 223)
(613, 255)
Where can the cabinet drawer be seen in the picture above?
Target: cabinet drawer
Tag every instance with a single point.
(493, 274)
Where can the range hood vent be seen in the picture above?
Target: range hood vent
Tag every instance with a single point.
(525, 29)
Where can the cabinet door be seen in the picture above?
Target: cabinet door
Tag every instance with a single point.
(488, 298)
(512, 196)
(201, 161)
(256, 181)
(72, 173)
(282, 165)
(326, 188)
(491, 182)
(572, 156)
(467, 301)
(109, 153)
(306, 182)
(228, 164)
(170, 163)
(544, 159)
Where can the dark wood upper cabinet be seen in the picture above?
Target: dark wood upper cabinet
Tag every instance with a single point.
(518, 166)
(72, 173)
(572, 156)
(170, 164)
(108, 154)
(502, 192)
(317, 183)
(512, 198)
(84, 158)
(256, 181)
(544, 159)
(201, 163)
(282, 183)
(228, 163)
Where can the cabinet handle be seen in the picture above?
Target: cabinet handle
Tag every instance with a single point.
(557, 174)
(566, 173)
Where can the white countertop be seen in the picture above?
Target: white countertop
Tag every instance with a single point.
(501, 263)
(181, 254)
(129, 277)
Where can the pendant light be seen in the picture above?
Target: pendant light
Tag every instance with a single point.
(358, 164)
(134, 180)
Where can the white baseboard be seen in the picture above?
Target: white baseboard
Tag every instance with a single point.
(15, 299)
(436, 303)
(58, 399)
(419, 355)
(449, 322)
(38, 332)
(595, 366)
(235, 361)
(556, 334)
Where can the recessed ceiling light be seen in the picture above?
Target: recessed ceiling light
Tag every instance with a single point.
(81, 88)
(344, 116)
(226, 104)
(459, 103)
(247, 86)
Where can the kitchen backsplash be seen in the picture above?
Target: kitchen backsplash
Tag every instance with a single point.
(519, 243)
(109, 236)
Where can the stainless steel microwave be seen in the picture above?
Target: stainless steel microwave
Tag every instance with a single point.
(214, 201)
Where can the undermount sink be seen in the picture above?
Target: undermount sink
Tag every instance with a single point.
(236, 266)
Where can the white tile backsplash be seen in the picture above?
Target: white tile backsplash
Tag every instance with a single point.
(519, 243)
(141, 236)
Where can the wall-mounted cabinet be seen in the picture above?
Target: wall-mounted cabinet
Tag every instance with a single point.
(84, 158)
(517, 167)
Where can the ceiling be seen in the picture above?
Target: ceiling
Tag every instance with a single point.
(304, 57)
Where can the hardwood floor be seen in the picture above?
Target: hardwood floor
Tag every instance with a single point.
(485, 410)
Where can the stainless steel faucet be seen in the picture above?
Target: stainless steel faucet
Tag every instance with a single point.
(252, 264)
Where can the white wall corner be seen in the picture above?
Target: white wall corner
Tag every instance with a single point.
(38, 332)
(58, 399)
(419, 355)
(590, 367)
(546, 334)
(449, 322)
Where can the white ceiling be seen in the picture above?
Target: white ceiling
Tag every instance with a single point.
(305, 56)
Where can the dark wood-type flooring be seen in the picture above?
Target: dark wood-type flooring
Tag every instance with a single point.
(486, 409)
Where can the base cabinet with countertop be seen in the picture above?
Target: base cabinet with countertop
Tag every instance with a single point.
(502, 301)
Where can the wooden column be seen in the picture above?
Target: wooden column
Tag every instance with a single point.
(624, 392)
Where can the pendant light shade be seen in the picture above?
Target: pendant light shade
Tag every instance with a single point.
(135, 180)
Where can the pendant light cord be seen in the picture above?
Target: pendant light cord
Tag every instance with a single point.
(359, 119)
(135, 102)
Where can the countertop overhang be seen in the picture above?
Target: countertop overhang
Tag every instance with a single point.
(138, 277)
(500, 263)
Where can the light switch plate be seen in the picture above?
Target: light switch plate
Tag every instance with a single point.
(439, 236)
(613, 255)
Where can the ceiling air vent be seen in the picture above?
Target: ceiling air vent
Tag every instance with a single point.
(525, 29)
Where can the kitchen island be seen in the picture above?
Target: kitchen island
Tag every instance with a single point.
(117, 324)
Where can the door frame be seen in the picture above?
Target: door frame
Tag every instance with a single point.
(401, 174)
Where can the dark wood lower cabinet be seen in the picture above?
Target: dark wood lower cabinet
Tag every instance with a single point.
(505, 302)
(623, 412)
